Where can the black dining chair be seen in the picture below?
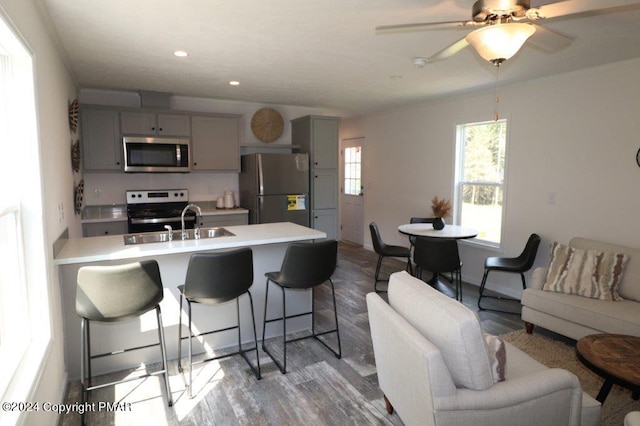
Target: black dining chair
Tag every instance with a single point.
(520, 265)
(108, 294)
(386, 250)
(213, 279)
(305, 266)
(439, 256)
(412, 238)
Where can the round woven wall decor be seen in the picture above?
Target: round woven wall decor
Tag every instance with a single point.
(267, 125)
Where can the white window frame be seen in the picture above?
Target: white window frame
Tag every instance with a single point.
(352, 181)
(22, 189)
(459, 181)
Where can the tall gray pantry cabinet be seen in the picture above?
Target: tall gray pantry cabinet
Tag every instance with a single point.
(318, 136)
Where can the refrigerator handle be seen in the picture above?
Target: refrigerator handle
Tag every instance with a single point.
(260, 176)
(259, 209)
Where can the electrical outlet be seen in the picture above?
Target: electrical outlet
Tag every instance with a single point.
(97, 192)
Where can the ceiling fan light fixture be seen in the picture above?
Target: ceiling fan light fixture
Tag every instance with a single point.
(499, 42)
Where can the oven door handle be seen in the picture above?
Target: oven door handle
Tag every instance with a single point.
(135, 221)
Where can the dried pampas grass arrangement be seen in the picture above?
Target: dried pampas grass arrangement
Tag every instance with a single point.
(440, 207)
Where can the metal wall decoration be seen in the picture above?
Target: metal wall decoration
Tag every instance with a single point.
(73, 115)
(78, 191)
(75, 155)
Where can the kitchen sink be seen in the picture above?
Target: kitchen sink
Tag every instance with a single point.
(163, 236)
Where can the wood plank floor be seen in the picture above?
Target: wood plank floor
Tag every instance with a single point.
(318, 389)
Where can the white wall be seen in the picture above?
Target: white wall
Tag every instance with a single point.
(201, 186)
(574, 136)
(54, 89)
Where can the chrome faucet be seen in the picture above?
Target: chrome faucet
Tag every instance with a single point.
(169, 231)
(196, 228)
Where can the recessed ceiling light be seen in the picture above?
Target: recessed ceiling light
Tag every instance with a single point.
(395, 77)
(180, 53)
(234, 83)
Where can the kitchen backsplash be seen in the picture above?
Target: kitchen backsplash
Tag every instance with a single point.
(109, 188)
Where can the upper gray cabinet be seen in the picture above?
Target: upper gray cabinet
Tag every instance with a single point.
(317, 135)
(154, 124)
(215, 140)
(215, 143)
(101, 144)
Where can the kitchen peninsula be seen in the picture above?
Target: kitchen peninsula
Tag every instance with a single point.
(268, 242)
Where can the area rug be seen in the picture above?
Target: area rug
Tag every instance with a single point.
(557, 354)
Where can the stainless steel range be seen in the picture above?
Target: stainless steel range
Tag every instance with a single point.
(149, 211)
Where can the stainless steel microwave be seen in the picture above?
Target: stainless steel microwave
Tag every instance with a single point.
(156, 155)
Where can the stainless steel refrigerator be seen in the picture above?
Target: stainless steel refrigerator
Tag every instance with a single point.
(275, 188)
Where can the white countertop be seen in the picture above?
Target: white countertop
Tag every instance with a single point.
(118, 212)
(112, 247)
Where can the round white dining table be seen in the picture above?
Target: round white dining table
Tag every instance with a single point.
(453, 232)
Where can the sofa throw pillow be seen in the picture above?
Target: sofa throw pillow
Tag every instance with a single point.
(588, 273)
(497, 357)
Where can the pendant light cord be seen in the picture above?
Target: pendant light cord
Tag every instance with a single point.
(496, 116)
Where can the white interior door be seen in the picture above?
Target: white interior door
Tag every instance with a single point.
(351, 190)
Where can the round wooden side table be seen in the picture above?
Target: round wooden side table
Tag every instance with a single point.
(614, 357)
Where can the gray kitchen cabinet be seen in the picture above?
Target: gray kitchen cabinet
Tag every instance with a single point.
(325, 193)
(224, 220)
(318, 136)
(98, 229)
(154, 124)
(215, 143)
(101, 144)
(326, 221)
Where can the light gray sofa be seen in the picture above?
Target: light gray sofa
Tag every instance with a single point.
(632, 419)
(577, 316)
(434, 367)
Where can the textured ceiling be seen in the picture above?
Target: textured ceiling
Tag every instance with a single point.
(310, 53)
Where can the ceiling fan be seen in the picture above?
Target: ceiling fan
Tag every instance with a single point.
(501, 27)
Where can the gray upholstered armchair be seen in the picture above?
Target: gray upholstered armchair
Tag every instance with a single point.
(435, 367)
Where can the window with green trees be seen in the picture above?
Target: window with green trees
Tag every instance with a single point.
(480, 184)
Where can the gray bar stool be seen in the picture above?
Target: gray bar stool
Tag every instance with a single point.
(118, 293)
(212, 279)
(305, 266)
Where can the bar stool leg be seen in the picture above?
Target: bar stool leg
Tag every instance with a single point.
(190, 352)
(89, 375)
(180, 336)
(335, 313)
(284, 330)
(264, 322)
(163, 351)
(83, 354)
(255, 336)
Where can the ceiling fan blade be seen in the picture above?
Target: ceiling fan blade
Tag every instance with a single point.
(425, 26)
(548, 40)
(449, 51)
(570, 8)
